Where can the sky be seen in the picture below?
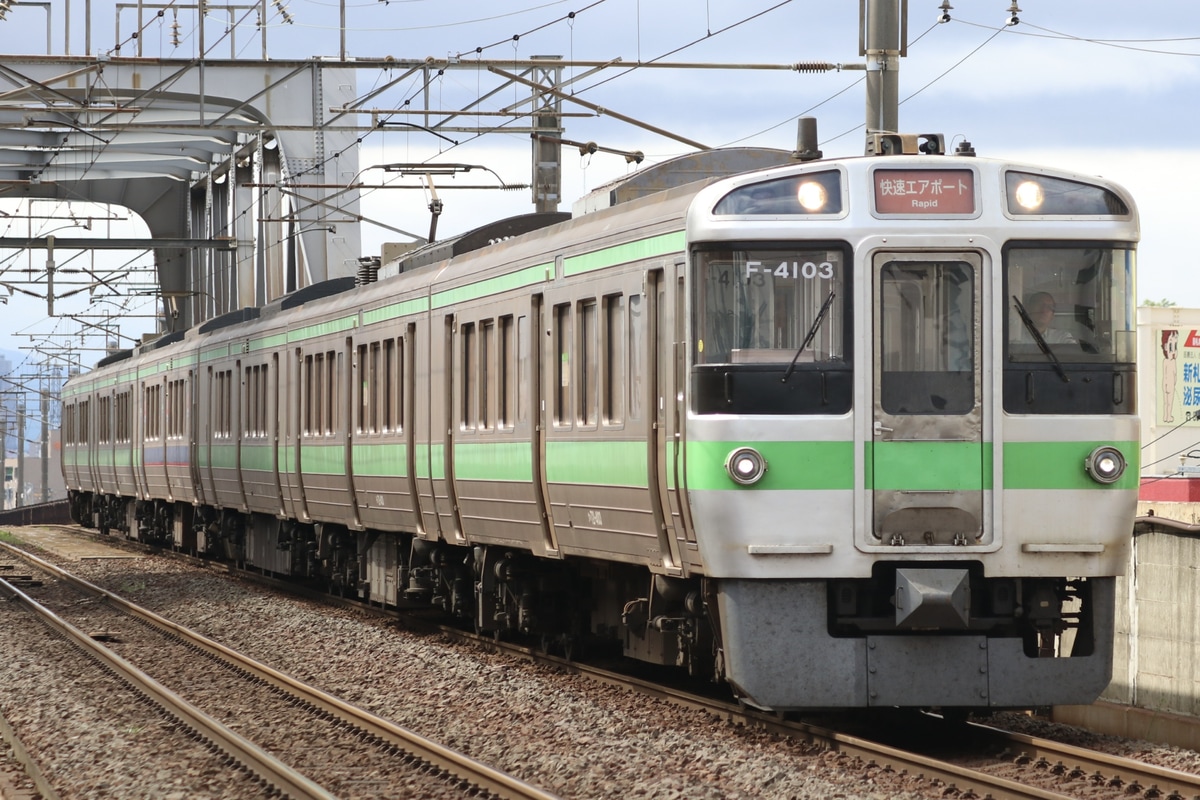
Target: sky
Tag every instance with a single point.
(1095, 86)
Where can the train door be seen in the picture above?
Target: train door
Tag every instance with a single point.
(194, 460)
(663, 442)
(408, 419)
(457, 367)
(144, 429)
(531, 403)
(929, 466)
(274, 413)
(296, 432)
(207, 480)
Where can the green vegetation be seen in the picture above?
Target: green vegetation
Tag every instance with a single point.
(5, 536)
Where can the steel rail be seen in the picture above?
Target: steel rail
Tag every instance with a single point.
(1115, 770)
(251, 756)
(498, 783)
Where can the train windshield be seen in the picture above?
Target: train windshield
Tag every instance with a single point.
(1070, 329)
(1075, 303)
(769, 321)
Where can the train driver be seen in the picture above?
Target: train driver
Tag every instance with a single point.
(1041, 307)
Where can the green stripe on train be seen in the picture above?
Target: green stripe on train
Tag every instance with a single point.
(493, 461)
(396, 310)
(380, 460)
(323, 459)
(790, 465)
(928, 466)
(603, 463)
(528, 276)
(624, 253)
(1060, 465)
(259, 457)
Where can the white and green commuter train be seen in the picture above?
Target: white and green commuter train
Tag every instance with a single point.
(840, 433)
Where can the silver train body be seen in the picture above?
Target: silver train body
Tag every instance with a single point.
(795, 428)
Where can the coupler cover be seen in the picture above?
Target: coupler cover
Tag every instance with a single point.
(932, 599)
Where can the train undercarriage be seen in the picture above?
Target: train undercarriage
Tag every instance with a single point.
(976, 640)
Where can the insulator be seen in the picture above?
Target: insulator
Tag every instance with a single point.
(813, 66)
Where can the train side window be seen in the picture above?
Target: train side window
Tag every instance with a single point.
(637, 356)
(318, 395)
(153, 412)
(309, 383)
(467, 370)
(364, 389)
(487, 375)
(223, 405)
(393, 385)
(103, 421)
(255, 425)
(613, 375)
(175, 406)
(374, 388)
(259, 424)
(124, 417)
(320, 367)
(562, 365)
(588, 362)
(250, 397)
(84, 432)
(523, 365)
(506, 385)
(333, 392)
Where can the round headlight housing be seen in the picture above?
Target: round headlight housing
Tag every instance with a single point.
(1029, 195)
(746, 466)
(1105, 464)
(812, 196)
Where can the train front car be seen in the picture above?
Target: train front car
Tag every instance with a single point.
(911, 440)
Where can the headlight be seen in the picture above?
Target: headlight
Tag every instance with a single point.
(812, 196)
(746, 465)
(1105, 464)
(1029, 195)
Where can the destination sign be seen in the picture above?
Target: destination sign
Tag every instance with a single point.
(924, 191)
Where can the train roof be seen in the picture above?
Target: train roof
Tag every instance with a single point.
(680, 171)
(482, 236)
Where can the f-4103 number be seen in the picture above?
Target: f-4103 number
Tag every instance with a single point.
(793, 270)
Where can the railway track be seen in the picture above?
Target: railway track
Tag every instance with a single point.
(1012, 765)
(996, 763)
(345, 751)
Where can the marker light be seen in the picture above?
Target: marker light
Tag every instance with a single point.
(746, 466)
(812, 196)
(1105, 464)
(1029, 195)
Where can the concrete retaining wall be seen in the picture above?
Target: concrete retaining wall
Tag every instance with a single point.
(1155, 663)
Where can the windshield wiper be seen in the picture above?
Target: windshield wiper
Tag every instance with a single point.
(1041, 342)
(812, 332)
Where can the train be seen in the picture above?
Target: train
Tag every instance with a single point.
(835, 432)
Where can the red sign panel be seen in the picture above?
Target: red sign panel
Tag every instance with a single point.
(924, 191)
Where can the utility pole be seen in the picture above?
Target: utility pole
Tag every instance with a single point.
(44, 410)
(20, 491)
(883, 40)
(3, 457)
